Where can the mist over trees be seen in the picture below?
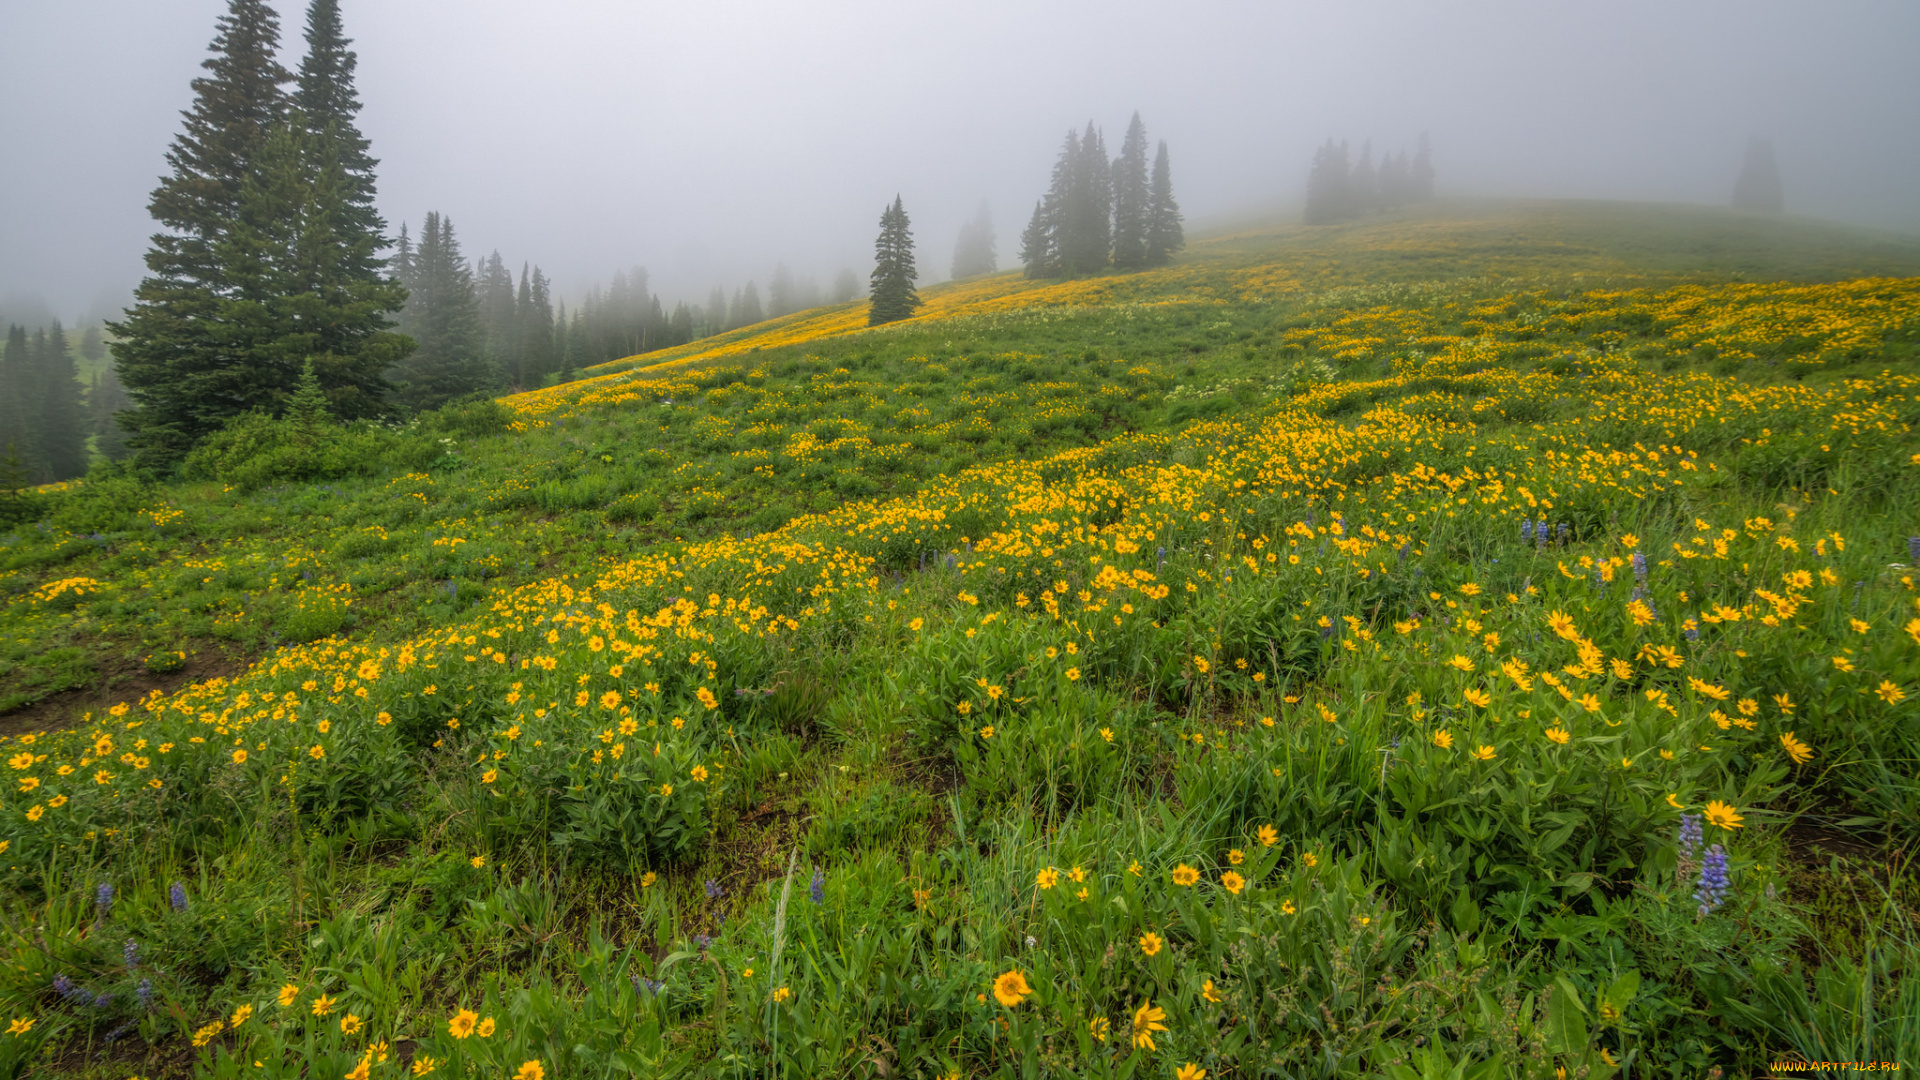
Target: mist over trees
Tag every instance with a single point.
(1099, 213)
(1339, 188)
(43, 421)
(975, 251)
(1758, 187)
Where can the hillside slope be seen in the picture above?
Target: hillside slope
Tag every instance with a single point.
(1349, 649)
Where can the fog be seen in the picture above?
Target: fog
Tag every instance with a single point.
(710, 141)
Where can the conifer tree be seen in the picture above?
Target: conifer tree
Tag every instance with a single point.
(1042, 242)
(1165, 235)
(493, 286)
(92, 348)
(1132, 197)
(1039, 255)
(1759, 185)
(168, 356)
(746, 307)
(442, 315)
(536, 329)
(891, 285)
(307, 406)
(329, 106)
(56, 433)
(974, 253)
(1086, 243)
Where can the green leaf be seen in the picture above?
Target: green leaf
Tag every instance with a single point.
(1566, 1019)
(1466, 913)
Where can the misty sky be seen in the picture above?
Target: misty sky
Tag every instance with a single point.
(709, 140)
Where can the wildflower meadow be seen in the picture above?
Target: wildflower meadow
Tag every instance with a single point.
(1353, 651)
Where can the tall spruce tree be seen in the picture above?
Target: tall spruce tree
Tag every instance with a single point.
(55, 434)
(1165, 234)
(329, 108)
(168, 354)
(891, 285)
(1758, 187)
(1039, 254)
(493, 285)
(1086, 245)
(274, 256)
(536, 329)
(974, 252)
(1042, 242)
(1132, 199)
(443, 316)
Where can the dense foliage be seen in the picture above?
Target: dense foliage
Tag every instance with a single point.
(1258, 665)
(269, 256)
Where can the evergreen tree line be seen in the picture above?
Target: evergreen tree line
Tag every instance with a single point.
(478, 329)
(1339, 188)
(43, 419)
(47, 414)
(1099, 213)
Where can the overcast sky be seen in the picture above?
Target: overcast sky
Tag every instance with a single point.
(708, 141)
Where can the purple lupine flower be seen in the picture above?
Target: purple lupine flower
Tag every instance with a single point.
(131, 954)
(1403, 552)
(817, 890)
(1692, 629)
(1913, 549)
(103, 899)
(145, 993)
(1162, 565)
(714, 891)
(102, 1001)
(1526, 529)
(649, 987)
(1640, 566)
(177, 896)
(1565, 529)
(1712, 891)
(1691, 837)
(702, 941)
(65, 988)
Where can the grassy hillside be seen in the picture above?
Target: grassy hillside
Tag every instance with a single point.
(1346, 651)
